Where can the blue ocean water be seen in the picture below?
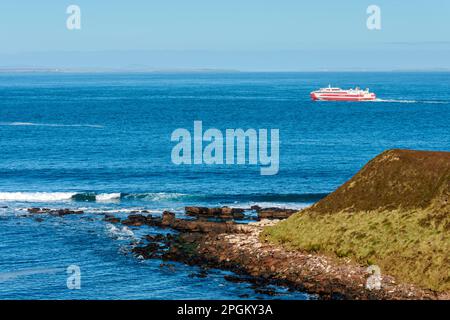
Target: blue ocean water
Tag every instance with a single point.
(101, 143)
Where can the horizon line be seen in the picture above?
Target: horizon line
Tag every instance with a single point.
(200, 70)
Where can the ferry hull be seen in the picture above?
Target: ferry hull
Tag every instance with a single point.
(325, 97)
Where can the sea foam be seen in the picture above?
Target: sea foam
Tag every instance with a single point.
(36, 196)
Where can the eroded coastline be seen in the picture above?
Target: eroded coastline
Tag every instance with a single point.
(402, 196)
(227, 238)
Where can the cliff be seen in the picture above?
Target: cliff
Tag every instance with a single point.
(394, 213)
(395, 179)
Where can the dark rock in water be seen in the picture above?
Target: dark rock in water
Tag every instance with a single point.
(59, 212)
(201, 274)
(4, 207)
(168, 218)
(196, 211)
(149, 251)
(275, 213)
(266, 291)
(136, 220)
(156, 246)
(39, 219)
(155, 238)
(111, 218)
(38, 210)
(208, 226)
(223, 212)
(236, 279)
(63, 212)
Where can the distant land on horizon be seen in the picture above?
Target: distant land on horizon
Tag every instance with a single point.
(307, 60)
(196, 70)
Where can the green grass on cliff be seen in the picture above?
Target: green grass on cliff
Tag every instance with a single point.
(395, 213)
(411, 246)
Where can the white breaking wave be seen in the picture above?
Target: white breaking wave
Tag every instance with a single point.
(119, 233)
(36, 196)
(81, 196)
(48, 124)
(107, 197)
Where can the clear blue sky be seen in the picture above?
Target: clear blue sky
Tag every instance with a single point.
(249, 35)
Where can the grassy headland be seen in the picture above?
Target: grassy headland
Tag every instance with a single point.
(394, 213)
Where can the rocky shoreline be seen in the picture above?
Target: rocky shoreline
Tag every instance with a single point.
(217, 238)
(238, 247)
(393, 214)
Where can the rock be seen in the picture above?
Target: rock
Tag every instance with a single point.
(223, 212)
(201, 274)
(38, 210)
(168, 218)
(135, 220)
(63, 212)
(149, 251)
(240, 249)
(208, 226)
(237, 279)
(155, 238)
(196, 211)
(59, 212)
(111, 218)
(275, 213)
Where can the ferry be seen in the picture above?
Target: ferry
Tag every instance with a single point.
(338, 94)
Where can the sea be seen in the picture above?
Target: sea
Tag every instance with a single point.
(101, 143)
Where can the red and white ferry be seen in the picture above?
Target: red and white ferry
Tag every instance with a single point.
(338, 94)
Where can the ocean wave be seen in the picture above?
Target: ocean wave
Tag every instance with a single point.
(28, 124)
(119, 233)
(157, 196)
(107, 197)
(36, 196)
(160, 196)
(86, 196)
